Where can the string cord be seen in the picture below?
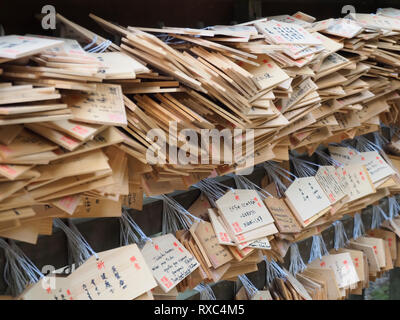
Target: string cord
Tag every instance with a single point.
(275, 174)
(77, 244)
(251, 290)
(318, 248)
(328, 159)
(19, 270)
(176, 217)
(244, 183)
(365, 145)
(394, 207)
(358, 229)
(206, 293)
(304, 168)
(212, 189)
(273, 271)
(297, 264)
(340, 238)
(378, 216)
(130, 230)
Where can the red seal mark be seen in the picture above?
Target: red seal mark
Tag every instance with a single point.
(67, 140)
(236, 227)
(166, 282)
(100, 265)
(7, 168)
(80, 130)
(224, 236)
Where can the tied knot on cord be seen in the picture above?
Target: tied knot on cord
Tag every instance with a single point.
(273, 271)
(19, 270)
(318, 248)
(275, 173)
(251, 290)
(378, 216)
(78, 248)
(130, 230)
(358, 229)
(340, 239)
(297, 264)
(176, 217)
(244, 183)
(206, 293)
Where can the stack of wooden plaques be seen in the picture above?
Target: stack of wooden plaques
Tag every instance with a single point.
(76, 124)
(293, 81)
(58, 144)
